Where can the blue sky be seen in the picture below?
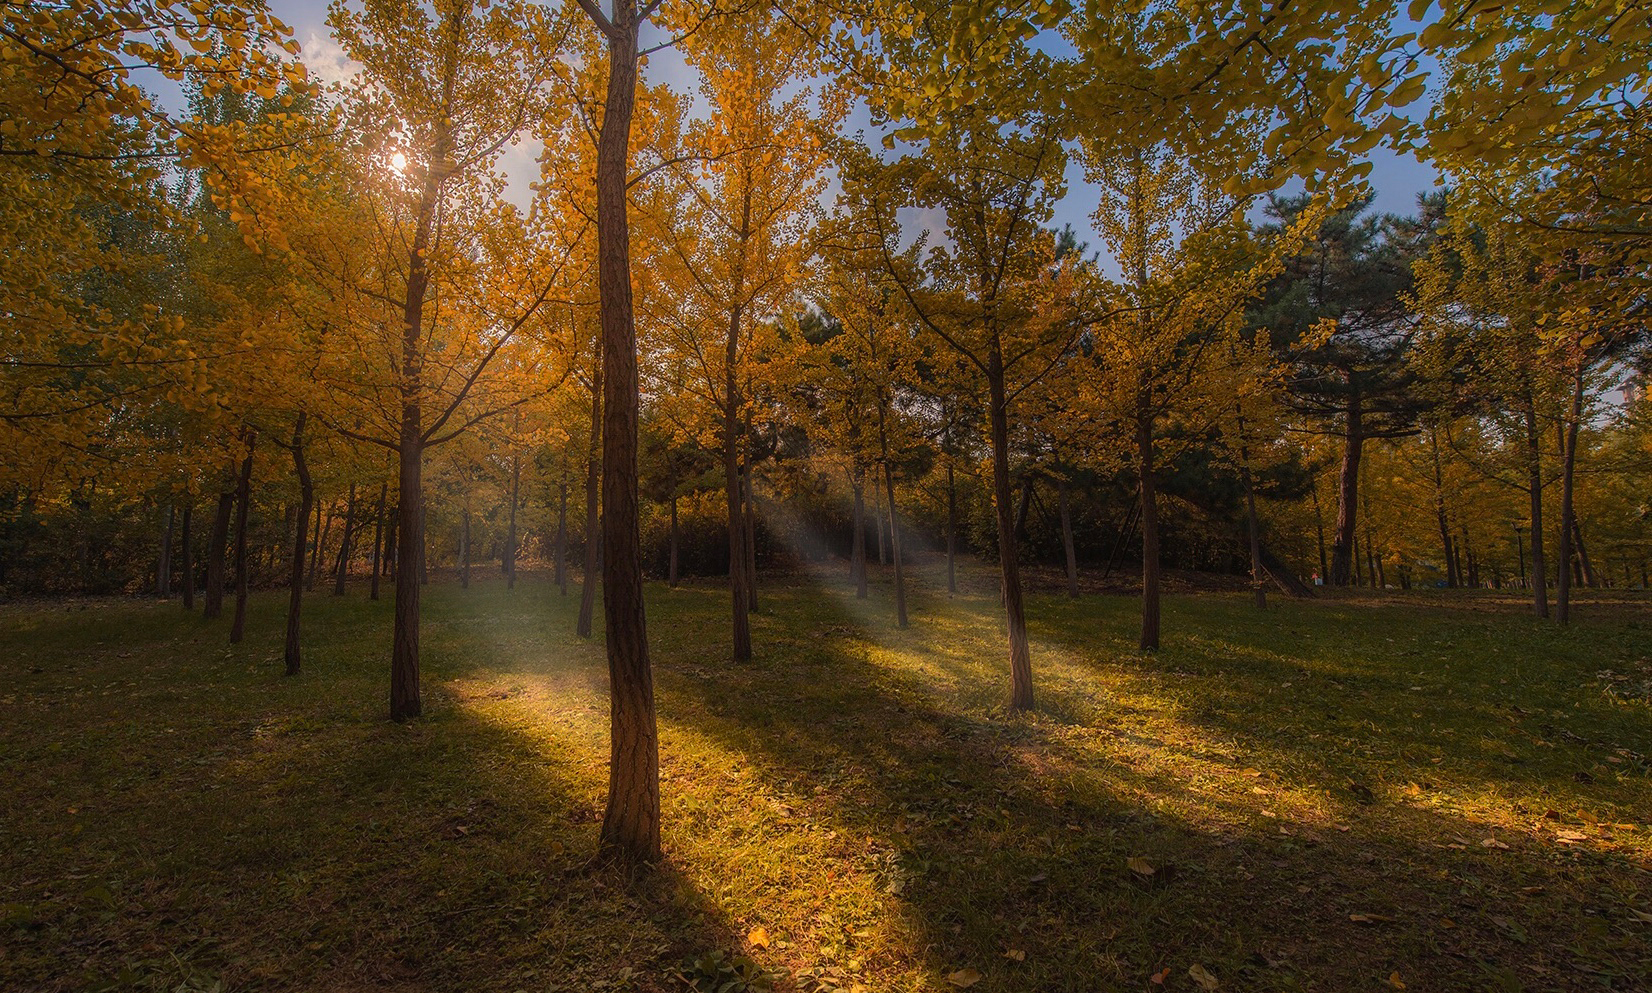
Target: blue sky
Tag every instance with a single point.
(1396, 178)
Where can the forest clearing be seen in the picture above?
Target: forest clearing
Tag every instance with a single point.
(1342, 795)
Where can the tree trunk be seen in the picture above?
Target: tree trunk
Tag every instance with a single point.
(951, 531)
(510, 533)
(163, 568)
(464, 550)
(1342, 548)
(593, 517)
(631, 822)
(1067, 537)
(1253, 529)
(894, 522)
(243, 498)
(217, 548)
(301, 535)
(186, 553)
(1584, 564)
(1021, 687)
(1563, 591)
(562, 537)
(1149, 534)
(391, 556)
(344, 550)
(877, 522)
(751, 541)
(671, 564)
(857, 548)
(378, 541)
(1319, 530)
(739, 601)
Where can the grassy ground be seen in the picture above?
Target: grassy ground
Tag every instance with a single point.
(1337, 796)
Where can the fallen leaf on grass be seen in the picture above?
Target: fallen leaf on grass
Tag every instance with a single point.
(1015, 954)
(1140, 866)
(1159, 977)
(1569, 837)
(1493, 843)
(757, 937)
(1394, 980)
(1204, 977)
(964, 978)
(1369, 918)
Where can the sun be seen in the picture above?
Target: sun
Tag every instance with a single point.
(398, 162)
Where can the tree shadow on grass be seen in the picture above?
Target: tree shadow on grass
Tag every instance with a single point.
(208, 822)
(964, 840)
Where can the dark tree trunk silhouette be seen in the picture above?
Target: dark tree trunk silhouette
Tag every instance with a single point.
(344, 550)
(1021, 687)
(1342, 548)
(163, 568)
(301, 536)
(1149, 534)
(186, 556)
(894, 522)
(378, 542)
(243, 500)
(1568, 468)
(739, 596)
(1253, 529)
(217, 549)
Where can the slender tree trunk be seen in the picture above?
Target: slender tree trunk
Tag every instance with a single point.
(464, 550)
(739, 602)
(1589, 578)
(186, 553)
(1319, 530)
(316, 545)
(894, 521)
(217, 549)
(1371, 557)
(510, 533)
(562, 537)
(301, 535)
(857, 548)
(751, 540)
(1342, 549)
(951, 531)
(1441, 519)
(877, 522)
(1253, 529)
(344, 549)
(671, 565)
(163, 569)
(391, 556)
(378, 541)
(631, 822)
(1067, 537)
(593, 518)
(243, 500)
(1563, 592)
(1149, 534)
(1021, 686)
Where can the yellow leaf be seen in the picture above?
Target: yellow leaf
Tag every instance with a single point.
(964, 978)
(1394, 980)
(757, 937)
(1140, 866)
(1204, 977)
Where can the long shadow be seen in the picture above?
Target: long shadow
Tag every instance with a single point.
(1002, 844)
(207, 822)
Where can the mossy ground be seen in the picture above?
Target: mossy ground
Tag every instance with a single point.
(1430, 790)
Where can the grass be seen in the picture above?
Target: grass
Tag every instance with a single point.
(1338, 795)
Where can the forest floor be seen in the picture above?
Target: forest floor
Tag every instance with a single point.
(1422, 791)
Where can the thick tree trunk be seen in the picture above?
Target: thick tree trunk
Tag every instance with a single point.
(593, 516)
(344, 550)
(1563, 591)
(562, 537)
(951, 531)
(301, 535)
(631, 822)
(378, 541)
(1067, 545)
(1149, 535)
(1342, 548)
(186, 555)
(510, 533)
(1021, 686)
(243, 500)
(163, 568)
(671, 564)
(217, 549)
(857, 548)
